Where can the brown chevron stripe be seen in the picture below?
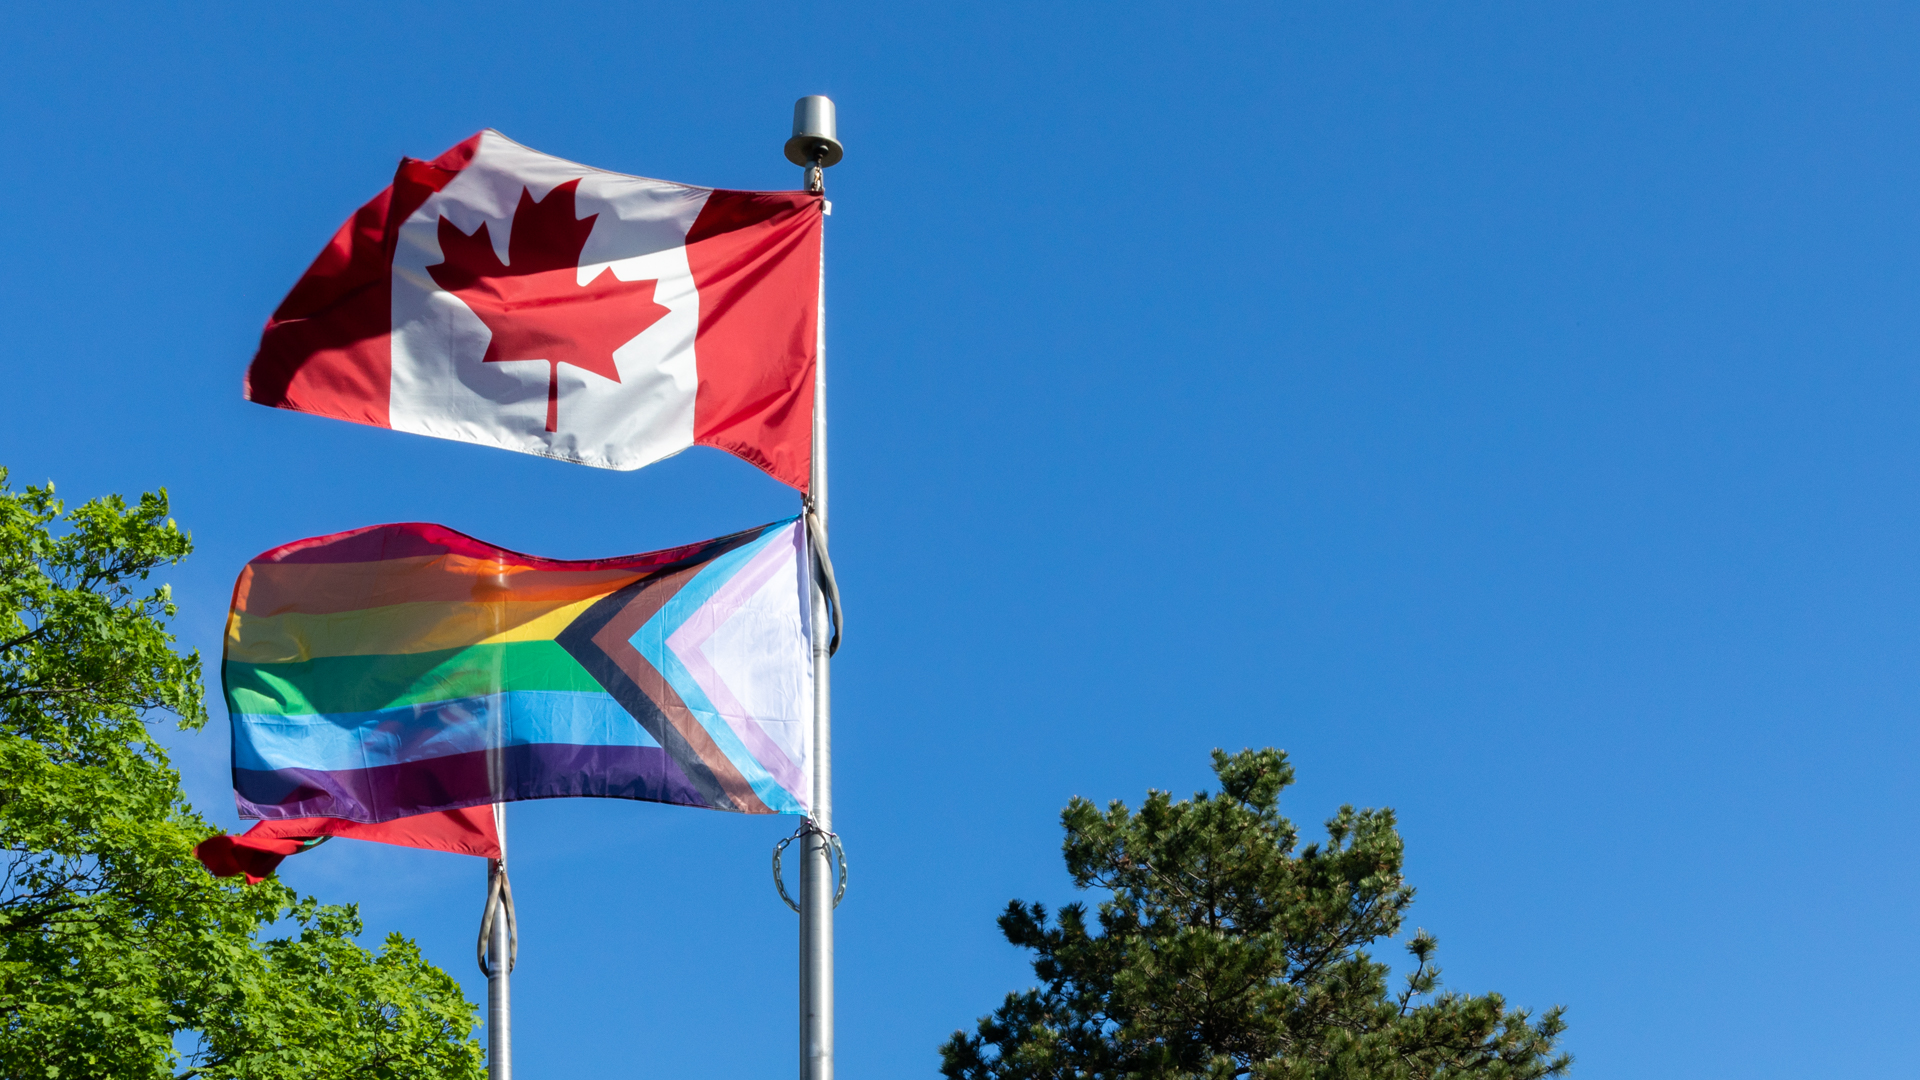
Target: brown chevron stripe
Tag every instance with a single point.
(614, 640)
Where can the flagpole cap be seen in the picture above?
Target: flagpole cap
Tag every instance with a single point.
(814, 134)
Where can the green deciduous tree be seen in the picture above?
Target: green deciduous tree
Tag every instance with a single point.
(1222, 952)
(119, 955)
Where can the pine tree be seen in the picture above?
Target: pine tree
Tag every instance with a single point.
(1221, 952)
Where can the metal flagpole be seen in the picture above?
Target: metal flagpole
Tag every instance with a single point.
(497, 949)
(814, 146)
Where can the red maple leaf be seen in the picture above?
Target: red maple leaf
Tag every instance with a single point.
(533, 303)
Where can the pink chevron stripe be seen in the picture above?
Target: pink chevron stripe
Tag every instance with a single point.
(686, 643)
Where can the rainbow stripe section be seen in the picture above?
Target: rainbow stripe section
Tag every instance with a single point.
(407, 669)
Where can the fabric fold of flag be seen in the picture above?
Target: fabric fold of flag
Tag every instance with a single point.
(503, 296)
(259, 851)
(408, 669)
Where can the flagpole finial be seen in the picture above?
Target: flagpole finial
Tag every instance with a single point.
(815, 144)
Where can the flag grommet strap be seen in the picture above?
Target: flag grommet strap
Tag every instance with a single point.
(823, 568)
(499, 905)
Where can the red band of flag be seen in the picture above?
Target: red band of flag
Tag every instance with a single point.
(501, 296)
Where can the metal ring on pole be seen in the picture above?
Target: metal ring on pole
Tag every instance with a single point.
(823, 568)
(499, 898)
(833, 841)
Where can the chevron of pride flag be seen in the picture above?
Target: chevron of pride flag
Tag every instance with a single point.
(402, 670)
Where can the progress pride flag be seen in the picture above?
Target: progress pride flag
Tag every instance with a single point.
(499, 295)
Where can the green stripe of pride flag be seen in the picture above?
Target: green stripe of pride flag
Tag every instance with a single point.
(352, 684)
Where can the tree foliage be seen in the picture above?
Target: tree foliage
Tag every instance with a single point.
(1222, 952)
(119, 955)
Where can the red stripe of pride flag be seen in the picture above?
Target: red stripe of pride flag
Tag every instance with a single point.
(258, 851)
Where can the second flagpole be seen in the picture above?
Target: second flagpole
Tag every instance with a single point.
(497, 957)
(814, 146)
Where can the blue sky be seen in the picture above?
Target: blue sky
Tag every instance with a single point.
(1510, 412)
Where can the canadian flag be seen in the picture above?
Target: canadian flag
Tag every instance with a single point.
(503, 296)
